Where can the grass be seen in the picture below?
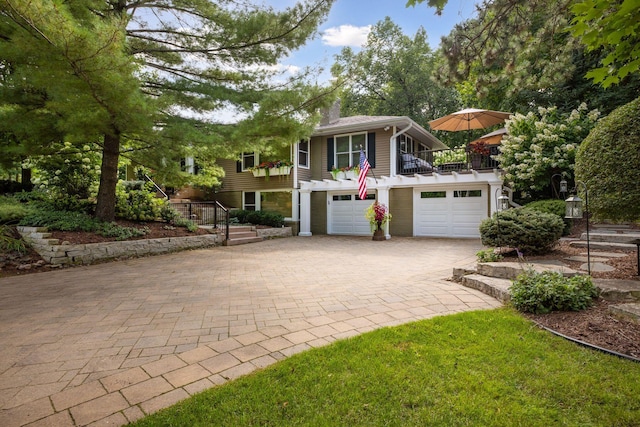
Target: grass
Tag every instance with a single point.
(483, 368)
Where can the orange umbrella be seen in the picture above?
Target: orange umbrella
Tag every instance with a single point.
(469, 118)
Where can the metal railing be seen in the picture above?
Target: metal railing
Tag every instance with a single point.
(206, 213)
(445, 161)
(158, 189)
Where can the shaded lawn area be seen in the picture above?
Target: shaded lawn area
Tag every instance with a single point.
(483, 368)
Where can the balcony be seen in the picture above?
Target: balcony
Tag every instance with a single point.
(446, 161)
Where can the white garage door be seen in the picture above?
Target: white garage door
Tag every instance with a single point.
(449, 212)
(346, 214)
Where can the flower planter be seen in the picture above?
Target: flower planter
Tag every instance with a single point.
(347, 175)
(282, 170)
(378, 235)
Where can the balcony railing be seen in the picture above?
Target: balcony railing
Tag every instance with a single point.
(445, 161)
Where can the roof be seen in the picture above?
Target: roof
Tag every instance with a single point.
(362, 123)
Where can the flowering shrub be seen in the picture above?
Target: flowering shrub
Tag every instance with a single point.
(69, 176)
(378, 215)
(538, 145)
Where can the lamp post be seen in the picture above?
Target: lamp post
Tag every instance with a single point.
(502, 204)
(574, 211)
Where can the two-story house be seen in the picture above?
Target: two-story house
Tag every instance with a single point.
(429, 189)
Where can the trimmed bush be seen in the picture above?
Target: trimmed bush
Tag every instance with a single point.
(544, 292)
(137, 201)
(553, 206)
(608, 162)
(271, 219)
(530, 231)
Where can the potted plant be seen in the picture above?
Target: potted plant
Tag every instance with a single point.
(347, 172)
(277, 167)
(479, 152)
(378, 216)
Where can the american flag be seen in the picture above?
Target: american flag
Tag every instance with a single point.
(362, 178)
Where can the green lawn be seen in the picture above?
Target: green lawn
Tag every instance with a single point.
(484, 368)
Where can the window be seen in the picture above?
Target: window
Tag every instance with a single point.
(248, 160)
(406, 144)
(433, 194)
(347, 152)
(467, 193)
(249, 201)
(370, 196)
(303, 154)
(189, 165)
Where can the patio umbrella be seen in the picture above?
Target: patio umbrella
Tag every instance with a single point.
(469, 118)
(491, 138)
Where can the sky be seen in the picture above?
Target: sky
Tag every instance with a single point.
(350, 21)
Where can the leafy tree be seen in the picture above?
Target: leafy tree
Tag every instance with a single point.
(392, 75)
(539, 145)
(518, 54)
(608, 163)
(150, 80)
(613, 27)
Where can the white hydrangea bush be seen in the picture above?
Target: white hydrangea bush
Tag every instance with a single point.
(538, 145)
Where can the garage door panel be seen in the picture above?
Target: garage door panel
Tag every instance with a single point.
(440, 216)
(347, 215)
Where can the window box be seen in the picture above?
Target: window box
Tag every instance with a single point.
(265, 172)
(352, 174)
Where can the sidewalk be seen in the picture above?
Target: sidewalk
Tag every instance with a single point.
(110, 343)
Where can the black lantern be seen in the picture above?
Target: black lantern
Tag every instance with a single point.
(502, 203)
(574, 211)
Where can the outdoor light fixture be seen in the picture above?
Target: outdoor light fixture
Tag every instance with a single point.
(574, 211)
(502, 202)
(563, 185)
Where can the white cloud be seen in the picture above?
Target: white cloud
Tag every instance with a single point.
(346, 35)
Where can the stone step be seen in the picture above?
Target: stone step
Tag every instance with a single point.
(242, 241)
(493, 286)
(24, 229)
(630, 311)
(240, 228)
(510, 270)
(602, 245)
(241, 234)
(618, 290)
(611, 237)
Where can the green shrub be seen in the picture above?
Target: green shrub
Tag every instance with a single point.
(271, 219)
(42, 216)
(11, 211)
(488, 255)
(10, 243)
(530, 231)
(608, 163)
(137, 202)
(553, 206)
(184, 222)
(544, 292)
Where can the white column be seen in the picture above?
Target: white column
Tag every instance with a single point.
(305, 213)
(383, 197)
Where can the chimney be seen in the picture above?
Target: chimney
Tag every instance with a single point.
(331, 114)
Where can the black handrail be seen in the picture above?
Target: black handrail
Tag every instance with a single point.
(434, 161)
(206, 213)
(156, 186)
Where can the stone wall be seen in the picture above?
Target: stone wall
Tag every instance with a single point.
(55, 253)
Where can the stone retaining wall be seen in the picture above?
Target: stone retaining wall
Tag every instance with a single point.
(274, 232)
(53, 252)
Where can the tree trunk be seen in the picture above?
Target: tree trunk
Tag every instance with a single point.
(26, 180)
(106, 203)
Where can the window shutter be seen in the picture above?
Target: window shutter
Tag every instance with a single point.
(371, 148)
(330, 156)
(238, 166)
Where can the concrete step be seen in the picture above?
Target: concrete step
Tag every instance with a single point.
(618, 290)
(611, 236)
(242, 241)
(495, 287)
(510, 270)
(240, 228)
(24, 229)
(629, 311)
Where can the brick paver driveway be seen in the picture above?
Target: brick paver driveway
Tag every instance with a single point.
(112, 342)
